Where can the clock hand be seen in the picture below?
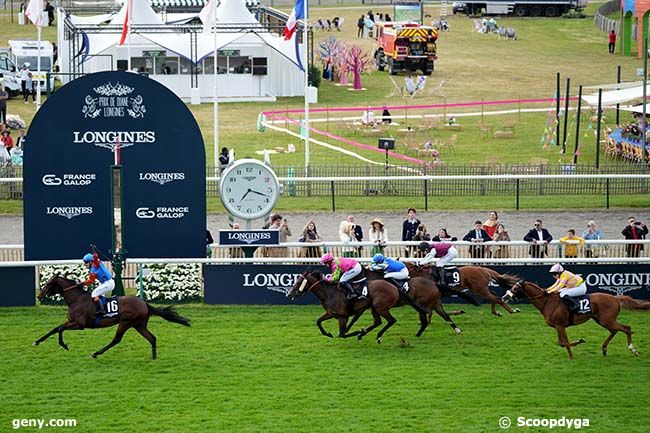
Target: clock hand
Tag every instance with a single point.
(258, 193)
(242, 199)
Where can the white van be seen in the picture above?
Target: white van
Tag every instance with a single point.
(23, 51)
(8, 76)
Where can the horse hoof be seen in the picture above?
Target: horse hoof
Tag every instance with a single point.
(329, 335)
(94, 356)
(458, 331)
(379, 340)
(516, 310)
(461, 312)
(581, 341)
(604, 353)
(65, 347)
(35, 343)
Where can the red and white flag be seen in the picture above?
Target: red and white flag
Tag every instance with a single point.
(297, 13)
(34, 12)
(125, 26)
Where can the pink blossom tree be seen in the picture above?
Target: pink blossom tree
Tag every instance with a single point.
(357, 62)
(328, 53)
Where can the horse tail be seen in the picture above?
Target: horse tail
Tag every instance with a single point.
(504, 280)
(169, 314)
(630, 303)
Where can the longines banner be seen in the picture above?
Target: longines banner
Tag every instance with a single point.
(269, 284)
(249, 237)
(67, 174)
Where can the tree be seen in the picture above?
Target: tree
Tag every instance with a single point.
(357, 62)
(328, 52)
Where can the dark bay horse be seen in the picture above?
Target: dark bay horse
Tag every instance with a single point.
(424, 293)
(604, 310)
(382, 296)
(477, 279)
(133, 313)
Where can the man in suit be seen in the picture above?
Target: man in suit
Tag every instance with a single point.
(358, 233)
(539, 238)
(477, 236)
(634, 230)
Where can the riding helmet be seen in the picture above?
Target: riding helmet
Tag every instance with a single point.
(378, 258)
(88, 258)
(556, 269)
(424, 246)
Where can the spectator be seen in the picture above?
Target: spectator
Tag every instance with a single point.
(443, 236)
(50, 13)
(224, 159)
(477, 236)
(335, 23)
(3, 104)
(208, 241)
(501, 235)
(490, 226)
(385, 115)
(612, 41)
(371, 16)
(368, 23)
(539, 238)
(421, 235)
(409, 228)
(379, 18)
(310, 235)
(358, 234)
(634, 230)
(276, 222)
(235, 252)
(26, 82)
(55, 54)
(368, 118)
(570, 243)
(592, 233)
(7, 144)
(20, 141)
(346, 235)
(360, 26)
(387, 18)
(378, 236)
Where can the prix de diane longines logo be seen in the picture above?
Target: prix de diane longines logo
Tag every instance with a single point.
(113, 101)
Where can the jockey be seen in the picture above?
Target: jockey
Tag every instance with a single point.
(342, 271)
(568, 284)
(98, 271)
(446, 253)
(393, 269)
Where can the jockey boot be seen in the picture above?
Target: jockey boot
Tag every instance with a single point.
(442, 281)
(571, 303)
(99, 305)
(348, 290)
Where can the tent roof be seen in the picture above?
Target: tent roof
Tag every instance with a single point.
(637, 108)
(617, 96)
(615, 86)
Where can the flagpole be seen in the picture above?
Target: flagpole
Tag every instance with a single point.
(129, 12)
(305, 41)
(216, 101)
(38, 66)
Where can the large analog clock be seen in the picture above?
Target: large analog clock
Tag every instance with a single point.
(249, 189)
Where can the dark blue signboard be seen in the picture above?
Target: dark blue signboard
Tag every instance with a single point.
(268, 284)
(249, 237)
(18, 284)
(72, 144)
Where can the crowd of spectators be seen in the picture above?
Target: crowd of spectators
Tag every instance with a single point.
(480, 236)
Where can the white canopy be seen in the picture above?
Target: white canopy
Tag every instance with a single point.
(228, 12)
(615, 86)
(637, 108)
(617, 96)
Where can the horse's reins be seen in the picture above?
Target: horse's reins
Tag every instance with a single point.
(71, 287)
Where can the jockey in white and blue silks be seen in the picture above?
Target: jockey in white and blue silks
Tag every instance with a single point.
(98, 271)
(392, 268)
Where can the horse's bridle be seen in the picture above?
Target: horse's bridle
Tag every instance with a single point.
(310, 287)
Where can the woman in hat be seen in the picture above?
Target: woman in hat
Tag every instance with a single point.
(378, 236)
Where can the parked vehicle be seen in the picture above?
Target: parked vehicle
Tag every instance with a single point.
(8, 76)
(523, 8)
(405, 47)
(22, 51)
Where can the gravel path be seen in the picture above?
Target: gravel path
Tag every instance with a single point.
(457, 223)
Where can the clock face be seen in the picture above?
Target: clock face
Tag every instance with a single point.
(249, 189)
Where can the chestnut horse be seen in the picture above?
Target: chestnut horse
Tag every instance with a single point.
(133, 313)
(477, 279)
(424, 293)
(604, 310)
(382, 296)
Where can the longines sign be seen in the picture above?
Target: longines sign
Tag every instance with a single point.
(269, 284)
(249, 237)
(74, 140)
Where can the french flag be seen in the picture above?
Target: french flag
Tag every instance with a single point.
(297, 13)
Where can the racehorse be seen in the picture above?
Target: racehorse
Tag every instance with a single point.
(424, 293)
(133, 313)
(604, 310)
(382, 296)
(477, 279)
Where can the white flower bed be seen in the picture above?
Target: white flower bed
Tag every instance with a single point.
(73, 272)
(173, 282)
